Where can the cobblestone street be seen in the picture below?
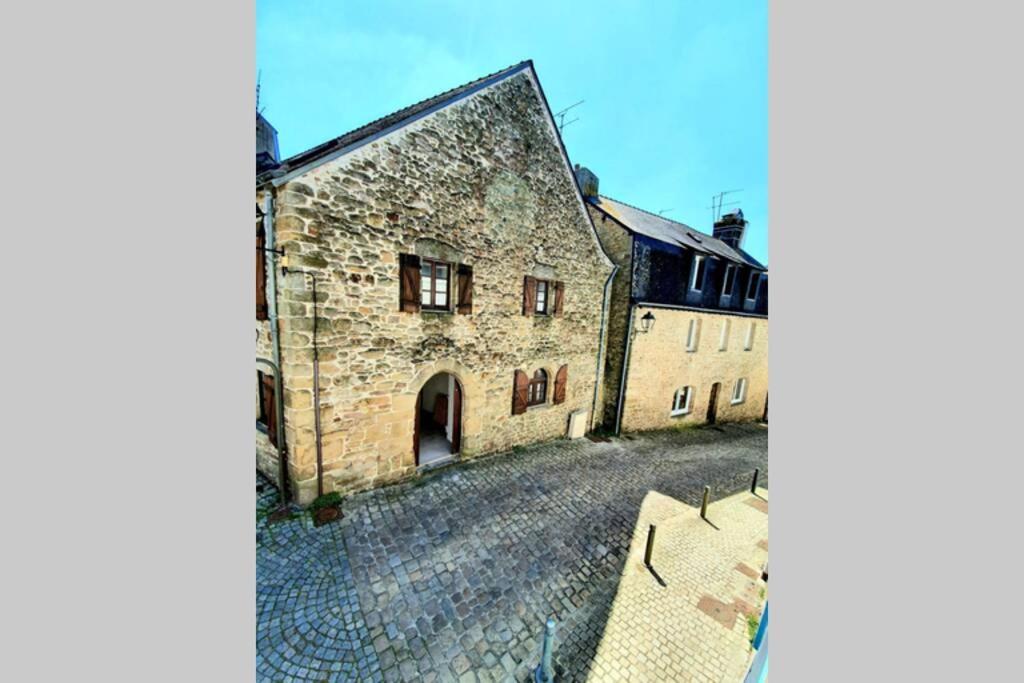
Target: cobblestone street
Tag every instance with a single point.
(450, 577)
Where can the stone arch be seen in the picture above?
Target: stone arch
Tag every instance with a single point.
(472, 397)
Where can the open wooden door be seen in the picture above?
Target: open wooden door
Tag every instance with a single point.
(416, 428)
(713, 403)
(456, 417)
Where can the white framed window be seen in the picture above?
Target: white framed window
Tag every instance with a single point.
(723, 341)
(697, 280)
(753, 285)
(693, 335)
(541, 302)
(739, 391)
(729, 280)
(748, 342)
(681, 401)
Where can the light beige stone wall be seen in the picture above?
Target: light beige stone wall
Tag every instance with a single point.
(484, 182)
(659, 364)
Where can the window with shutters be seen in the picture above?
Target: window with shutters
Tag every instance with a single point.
(435, 281)
(681, 401)
(267, 416)
(542, 297)
(537, 392)
(739, 391)
(261, 274)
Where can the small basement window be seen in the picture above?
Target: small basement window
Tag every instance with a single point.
(692, 335)
(681, 401)
(739, 392)
(699, 264)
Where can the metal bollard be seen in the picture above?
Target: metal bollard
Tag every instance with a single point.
(704, 503)
(544, 673)
(650, 546)
(753, 484)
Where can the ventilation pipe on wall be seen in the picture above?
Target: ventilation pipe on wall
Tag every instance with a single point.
(601, 341)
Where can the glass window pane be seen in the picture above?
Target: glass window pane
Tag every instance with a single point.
(439, 299)
(442, 285)
(425, 269)
(425, 297)
(442, 271)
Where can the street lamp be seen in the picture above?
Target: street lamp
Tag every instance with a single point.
(647, 322)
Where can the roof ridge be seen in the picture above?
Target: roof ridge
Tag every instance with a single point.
(633, 206)
(439, 96)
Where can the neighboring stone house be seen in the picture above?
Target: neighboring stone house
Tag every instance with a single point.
(703, 302)
(460, 290)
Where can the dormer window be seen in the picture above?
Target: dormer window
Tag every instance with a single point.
(729, 280)
(697, 281)
(753, 285)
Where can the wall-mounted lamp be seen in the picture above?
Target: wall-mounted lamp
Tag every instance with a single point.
(647, 322)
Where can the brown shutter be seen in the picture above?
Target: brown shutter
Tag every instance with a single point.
(529, 295)
(559, 293)
(261, 275)
(520, 392)
(270, 407)
(410, 282)
(465, 289)
(561, 379)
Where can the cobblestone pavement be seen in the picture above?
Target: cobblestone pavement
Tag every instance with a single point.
(451, 577)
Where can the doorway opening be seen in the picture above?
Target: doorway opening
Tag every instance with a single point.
(437, 436)
(713, 403)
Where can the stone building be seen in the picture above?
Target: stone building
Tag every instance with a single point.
(688, 321)
(460, 290)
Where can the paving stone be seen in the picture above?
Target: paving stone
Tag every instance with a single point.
(488, 549)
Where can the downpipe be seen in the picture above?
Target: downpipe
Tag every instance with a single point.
(275, 343)
(601, 342)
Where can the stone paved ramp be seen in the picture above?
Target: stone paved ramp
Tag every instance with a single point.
(451, 577)
(692, 628)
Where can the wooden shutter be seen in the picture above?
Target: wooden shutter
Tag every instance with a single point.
(261, 275)
(465, 289)
(520, 392)
(559, 294)
(409, 265)
(529, 295)
(561, 379)
(269, 406)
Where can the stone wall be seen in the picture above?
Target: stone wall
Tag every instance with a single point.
(659, 364)
(618, 243)
(484, 181)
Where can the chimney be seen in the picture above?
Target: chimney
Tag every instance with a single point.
(729, 228)
(587, 181)
(267, 155)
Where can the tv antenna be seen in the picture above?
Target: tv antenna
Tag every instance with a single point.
(664, 211)
(259, 75)
(717, 203)
(562, 123)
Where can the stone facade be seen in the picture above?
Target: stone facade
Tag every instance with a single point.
(481, 182)
(659, 364)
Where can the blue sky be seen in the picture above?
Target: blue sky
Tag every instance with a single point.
(675, 93)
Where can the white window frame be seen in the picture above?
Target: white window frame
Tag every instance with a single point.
(693, 335)
(748, 342)
(723, 340)
(739, 391)
(730, 268)
(757, 287)
(697, 260)
(686, 392)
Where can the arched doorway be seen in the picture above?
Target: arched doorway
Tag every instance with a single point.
(713, 403)
(438, 433)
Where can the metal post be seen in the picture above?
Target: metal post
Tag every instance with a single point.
(753, 484)
(704, 504)
(544, 673)
(650, 546)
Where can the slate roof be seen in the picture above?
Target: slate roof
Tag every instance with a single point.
(671, 232)
(391, 120)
